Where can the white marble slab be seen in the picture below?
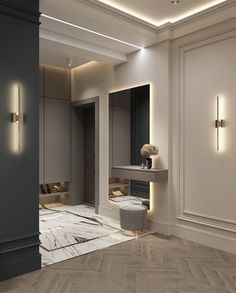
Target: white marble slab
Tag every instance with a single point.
(63, 229)
(61, 233)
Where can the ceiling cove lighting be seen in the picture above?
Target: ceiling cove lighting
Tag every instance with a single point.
(154, 21)
(219, 123)
(91, 31)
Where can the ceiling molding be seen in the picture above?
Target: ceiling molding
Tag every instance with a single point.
(138, 21)
(211, 16)
(97, 16)
(85, 49)
(84, 14)
(118, 13)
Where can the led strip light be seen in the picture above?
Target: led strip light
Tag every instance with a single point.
(91, 31)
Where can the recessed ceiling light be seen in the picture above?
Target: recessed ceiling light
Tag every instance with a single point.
(175, 2)
(69, 62)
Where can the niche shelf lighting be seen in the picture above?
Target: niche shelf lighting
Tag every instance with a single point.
(219, 123)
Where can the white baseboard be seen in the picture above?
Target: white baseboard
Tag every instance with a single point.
(207, 238)
(160, 227)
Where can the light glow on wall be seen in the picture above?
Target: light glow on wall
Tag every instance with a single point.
(151, 133)
(86, 65)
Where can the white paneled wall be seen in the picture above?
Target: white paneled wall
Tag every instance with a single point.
(204, 185)
(199, 201)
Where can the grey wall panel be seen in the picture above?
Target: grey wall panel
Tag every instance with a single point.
(19, 176)
(57, 138)
(121, 136)
(119, 128)
(57, 82)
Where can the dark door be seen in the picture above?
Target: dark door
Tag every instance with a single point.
(89, 155)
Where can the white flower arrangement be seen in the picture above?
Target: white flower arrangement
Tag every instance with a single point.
(149, 150)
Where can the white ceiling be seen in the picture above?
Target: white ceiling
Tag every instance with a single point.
(158, 12)
(70, 32)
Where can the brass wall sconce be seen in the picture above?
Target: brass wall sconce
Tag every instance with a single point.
(18, 117)
(219, 123)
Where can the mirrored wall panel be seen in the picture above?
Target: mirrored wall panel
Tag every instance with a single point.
(129, 128)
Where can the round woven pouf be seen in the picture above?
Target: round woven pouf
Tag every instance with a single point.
(133, 218)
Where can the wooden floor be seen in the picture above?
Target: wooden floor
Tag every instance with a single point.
(150, 264)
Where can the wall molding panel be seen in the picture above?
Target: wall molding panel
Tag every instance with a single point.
(207, 225)
(183, 213)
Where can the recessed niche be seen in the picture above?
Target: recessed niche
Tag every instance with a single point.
(57, 192)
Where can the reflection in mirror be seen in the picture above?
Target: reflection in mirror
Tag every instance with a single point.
(128, 132)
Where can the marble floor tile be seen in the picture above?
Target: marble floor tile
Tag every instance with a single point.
(68, 232)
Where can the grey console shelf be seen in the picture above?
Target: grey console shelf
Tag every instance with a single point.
(136, 173)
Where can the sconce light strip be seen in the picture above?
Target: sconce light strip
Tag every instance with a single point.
(18, 117)
(91, 31)
(219, 123)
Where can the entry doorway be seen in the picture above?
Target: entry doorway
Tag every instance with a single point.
(89, 155)
(85, 148)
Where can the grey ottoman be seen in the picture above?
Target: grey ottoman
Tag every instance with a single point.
(133, 218)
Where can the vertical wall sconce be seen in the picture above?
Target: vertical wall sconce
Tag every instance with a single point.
(17, 118)
(219, 123)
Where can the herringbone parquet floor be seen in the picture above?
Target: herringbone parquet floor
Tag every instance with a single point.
(151, 264)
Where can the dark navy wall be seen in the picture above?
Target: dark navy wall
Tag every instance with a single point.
(19, 220)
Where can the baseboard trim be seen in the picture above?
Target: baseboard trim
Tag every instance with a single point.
(204, 237)
(26, 265)
(160, 227)
(19, 255)
(19, 242)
